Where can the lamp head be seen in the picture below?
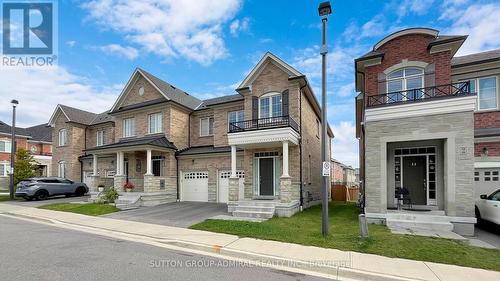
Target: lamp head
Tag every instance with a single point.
(14, 103)
(324, 9)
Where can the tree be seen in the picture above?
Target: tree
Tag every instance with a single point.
(25, 166)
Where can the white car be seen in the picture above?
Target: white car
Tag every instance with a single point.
(488, 208)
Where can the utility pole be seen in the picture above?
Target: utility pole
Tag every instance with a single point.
(12, 148)
(324, 10)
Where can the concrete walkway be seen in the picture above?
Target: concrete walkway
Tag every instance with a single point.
(344, 265)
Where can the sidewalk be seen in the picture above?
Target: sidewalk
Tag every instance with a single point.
(344, 264)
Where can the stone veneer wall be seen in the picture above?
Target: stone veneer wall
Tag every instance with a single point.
(455, 128)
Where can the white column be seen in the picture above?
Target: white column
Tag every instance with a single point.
(149, 163)
(118, 164)
(233, 161)
(285, 159)
(94, 163)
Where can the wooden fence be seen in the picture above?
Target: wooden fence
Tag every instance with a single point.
(341, 193)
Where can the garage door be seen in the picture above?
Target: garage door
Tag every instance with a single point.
(486, 181)
(195, 186)
(223, 194)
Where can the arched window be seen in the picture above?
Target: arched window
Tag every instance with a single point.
(401, 84)
(63, 137)
(270, 105)
(61, 169)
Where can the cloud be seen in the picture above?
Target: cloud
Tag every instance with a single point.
(266, 40)
(43, 88)
(345, 144)
(115, 49)
(168, 28)
(479, 21)
(346, 90)
(238, 26)
(71, 43)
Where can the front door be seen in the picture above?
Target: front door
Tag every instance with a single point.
(414, 178)
(266, 172)
(126, 170)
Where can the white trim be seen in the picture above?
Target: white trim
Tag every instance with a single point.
(406, 63)
(270, 96)
(201, 126)
(487, 164)
(52, 120)
(431, 107)
(263, 62)
(160, 124)
(100, 137)
(257, 172)
(478, 91)
(133, 131)
(264, 136)
(397, 34)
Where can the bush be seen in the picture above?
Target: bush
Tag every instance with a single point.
(109, 196)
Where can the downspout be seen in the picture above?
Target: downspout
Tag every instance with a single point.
(85, 153)
(178, 180)
(300, 150)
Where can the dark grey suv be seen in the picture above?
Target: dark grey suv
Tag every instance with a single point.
(42, 188)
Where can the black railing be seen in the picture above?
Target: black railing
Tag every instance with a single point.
(263, 123)
(422, 94)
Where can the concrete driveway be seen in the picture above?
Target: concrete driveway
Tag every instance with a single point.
(489, 233)
(179, 214)
(51, 200)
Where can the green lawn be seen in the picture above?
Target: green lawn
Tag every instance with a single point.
(305, 228)
(90, 209)
(7, 198)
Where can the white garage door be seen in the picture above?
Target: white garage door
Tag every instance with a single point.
(486, 181)
(195, 186)
(223, 194)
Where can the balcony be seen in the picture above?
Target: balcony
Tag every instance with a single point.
(461, 89)
(263, 124)
(264, 132)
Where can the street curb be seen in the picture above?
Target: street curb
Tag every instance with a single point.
(225, 252)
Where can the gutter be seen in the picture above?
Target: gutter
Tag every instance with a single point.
(178, 199)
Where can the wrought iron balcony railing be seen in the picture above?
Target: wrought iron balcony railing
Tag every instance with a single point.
(422, 94)
(263, 123)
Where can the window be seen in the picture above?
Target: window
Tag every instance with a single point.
(270, 106)
(235, 116)
(61, 171)
(206, 126)
(63, 137)
(128, 127)
(100, 138)
(155, 123)
(4, 169)
(5, 146)
(403, 81)
(487, 93)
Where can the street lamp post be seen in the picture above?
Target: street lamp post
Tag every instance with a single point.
(12, 148)
(324, 10)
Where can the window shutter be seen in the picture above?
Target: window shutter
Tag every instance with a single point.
(284, 103)
(255, 107)
(430, 75)
(382, 85)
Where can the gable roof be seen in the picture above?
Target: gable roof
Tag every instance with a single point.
(268, 57)
(79, 116)
(169, 92)
(6, 129)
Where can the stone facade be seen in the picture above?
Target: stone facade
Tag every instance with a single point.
(454, 129)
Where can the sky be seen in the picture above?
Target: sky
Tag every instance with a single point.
(207, 48)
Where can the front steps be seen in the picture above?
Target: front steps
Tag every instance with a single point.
(434, 223)
(261, 210)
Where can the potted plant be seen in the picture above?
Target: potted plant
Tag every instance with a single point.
(128, 186)
(100, 188)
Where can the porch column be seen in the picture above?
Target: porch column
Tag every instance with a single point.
(285, 159)
(118, 162)
(149, 163)
(94, 163)
(233, 161)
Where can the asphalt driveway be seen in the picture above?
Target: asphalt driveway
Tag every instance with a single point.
(51, 200)
(179, 214)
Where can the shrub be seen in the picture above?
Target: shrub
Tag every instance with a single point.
(109, 196)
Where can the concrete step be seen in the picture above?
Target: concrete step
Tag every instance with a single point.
(253, 214)
(409, 224)
(418, 217)
(261, 203)
(255, 209)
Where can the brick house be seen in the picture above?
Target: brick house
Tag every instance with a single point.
(425, 120)
(337, 173)
(37, 140)
(262, 143)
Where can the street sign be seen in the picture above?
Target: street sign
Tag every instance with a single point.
(326, 169)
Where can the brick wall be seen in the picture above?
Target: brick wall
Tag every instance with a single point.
(150, 93)
(412, 47)
(221, 125)
(178, 126)
(109, 134)
(196, 139)
(21, 143)
(493, 148)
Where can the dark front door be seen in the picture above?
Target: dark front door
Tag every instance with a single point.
(266, 172)
(126, 170)
(414, 177)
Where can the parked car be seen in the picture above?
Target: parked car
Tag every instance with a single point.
(42, 188)
(488, 207)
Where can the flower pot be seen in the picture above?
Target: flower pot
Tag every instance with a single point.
(101, 189)
(128, 190)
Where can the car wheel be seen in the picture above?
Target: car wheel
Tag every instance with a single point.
(80, 191)
(478, 214)
(41, 195)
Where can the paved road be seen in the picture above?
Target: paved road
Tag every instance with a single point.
(179, 214)
(488, 233)
(32, 251)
